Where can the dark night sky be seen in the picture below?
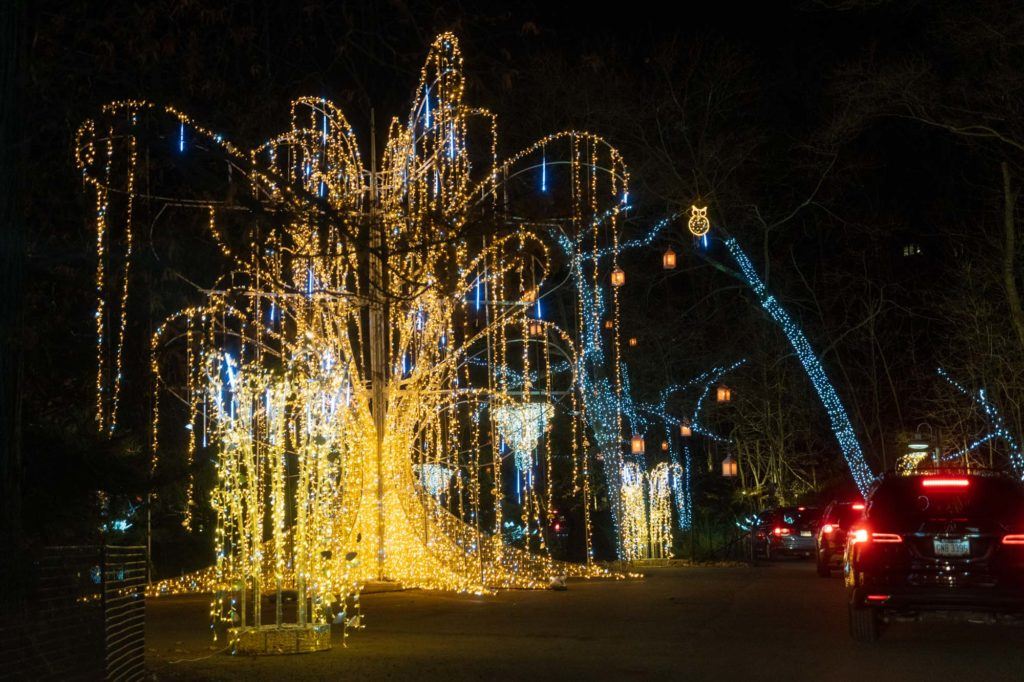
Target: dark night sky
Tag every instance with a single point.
(543, 66)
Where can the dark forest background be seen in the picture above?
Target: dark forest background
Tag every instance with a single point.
(867, 153)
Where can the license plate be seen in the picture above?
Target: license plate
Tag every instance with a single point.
(952, 546)
(805, 533)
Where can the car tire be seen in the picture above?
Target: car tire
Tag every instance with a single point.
(864, 624)
(824, 570)
(767, 551)
(757, 548)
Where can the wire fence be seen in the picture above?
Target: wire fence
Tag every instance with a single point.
(82, 617)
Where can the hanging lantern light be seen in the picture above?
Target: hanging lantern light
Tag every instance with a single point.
(685, 430)
(730, 467)
(535, 328)
(633, 342)
(636, 444)
(724, 394)
(608, 324)
(618, 276)
(668, 259)
(664, 446)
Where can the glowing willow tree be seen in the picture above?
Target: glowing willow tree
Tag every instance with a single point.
(646, 516)
(375, 338)
(649, 490)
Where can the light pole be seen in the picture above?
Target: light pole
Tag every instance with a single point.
(920, 444)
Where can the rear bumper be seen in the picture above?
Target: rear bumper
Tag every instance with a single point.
(794, 545)
(916, 599)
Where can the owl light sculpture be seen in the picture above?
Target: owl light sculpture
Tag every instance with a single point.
(698, 224)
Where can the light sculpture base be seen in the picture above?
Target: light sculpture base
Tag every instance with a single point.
(286, 639)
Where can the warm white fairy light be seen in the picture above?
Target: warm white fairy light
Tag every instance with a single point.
(647, 511)
(320, 485)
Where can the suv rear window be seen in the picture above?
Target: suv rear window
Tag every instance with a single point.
(801, 519)
(845, 515)
(909, 501)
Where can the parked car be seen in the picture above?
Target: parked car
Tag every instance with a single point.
(786, 531)
(830, 540)
(949, 543)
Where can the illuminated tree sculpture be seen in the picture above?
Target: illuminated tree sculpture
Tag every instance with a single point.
(354, 366)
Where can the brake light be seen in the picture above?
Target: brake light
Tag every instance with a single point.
(878, 597)
(1013, 539)
(781, 531)
(862, 535)
(858, 507)
(945, 482)
(828, 529)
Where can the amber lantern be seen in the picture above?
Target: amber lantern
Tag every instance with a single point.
(608, 324)
(664, 446)
(668, 259)
(618, 277)
(535, 328)
(724, 394)
(636, 444)
(685, 430)
(633, 342)
(730, 468)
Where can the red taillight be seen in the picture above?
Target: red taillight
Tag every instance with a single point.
(1013, 539)
(857, 507)
(862, 535)
(945, 482)
(781, 531)
(828, 529)
(878, 597)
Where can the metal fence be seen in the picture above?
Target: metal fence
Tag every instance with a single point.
(82, 618)
(124, 612)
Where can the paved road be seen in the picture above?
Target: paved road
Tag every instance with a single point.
(766, 623)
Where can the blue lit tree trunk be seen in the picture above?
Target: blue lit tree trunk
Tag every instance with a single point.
(840, 421)
(601, 401)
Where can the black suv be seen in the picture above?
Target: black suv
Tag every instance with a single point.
(949, 542)
(830, 542)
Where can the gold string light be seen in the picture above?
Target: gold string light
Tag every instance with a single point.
(357, 392)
